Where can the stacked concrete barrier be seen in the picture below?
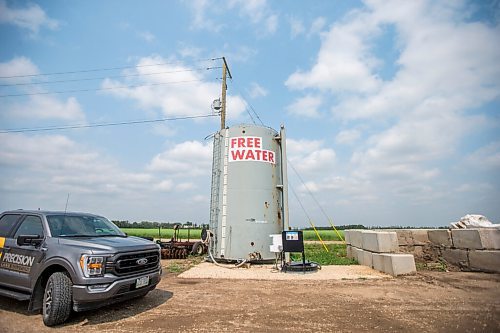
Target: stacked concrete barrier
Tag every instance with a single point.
(377, 249)
(468, 249)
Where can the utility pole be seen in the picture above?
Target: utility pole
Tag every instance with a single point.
(225, 72)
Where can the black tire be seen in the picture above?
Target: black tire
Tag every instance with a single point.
(57, 299)
(198, 249)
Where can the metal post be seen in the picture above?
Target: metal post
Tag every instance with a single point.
(284, 181)
(284, 175)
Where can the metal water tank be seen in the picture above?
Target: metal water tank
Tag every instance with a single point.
(249, 192)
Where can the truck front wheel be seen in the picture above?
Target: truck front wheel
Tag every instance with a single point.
(57, 299)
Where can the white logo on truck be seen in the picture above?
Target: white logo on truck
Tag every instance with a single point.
(17, 262)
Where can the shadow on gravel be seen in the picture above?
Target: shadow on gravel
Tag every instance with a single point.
(11, 305)
(121, 310)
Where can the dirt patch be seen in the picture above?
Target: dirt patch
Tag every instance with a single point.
(425, 302)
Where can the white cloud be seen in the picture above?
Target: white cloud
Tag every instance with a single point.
(189, 158)
(256, 90)
(17, 71)
(55, 163)
(317, 26)
(259, 13)
(297, 27)
(32, 17)
(178, 90)
(43, 169)
(165, 185)
(446, 67)
(202, 13)
(486, 157)
(147, 36)
(347, 136)
(47, 107)
(344, 63)
(306, 106)
(186, 186)
(309, 156)
(206, 14)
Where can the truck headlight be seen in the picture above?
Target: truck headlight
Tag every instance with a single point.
(92, 265)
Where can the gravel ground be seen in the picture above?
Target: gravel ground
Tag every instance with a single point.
(424, 302)
(207, 270)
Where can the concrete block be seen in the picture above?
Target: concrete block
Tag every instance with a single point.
(394, 263)
(379, 242)
(457, 257)
(404, 236)
(356, 253)
(440, 237)
(420, 236)
(355, 238)
(365, 258)
(412, 236)
(476, 239)
(378, 262)
(347, 237)
(485, 261)
(349, 253)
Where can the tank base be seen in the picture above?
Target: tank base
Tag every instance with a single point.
(300, 267)
(239, 261)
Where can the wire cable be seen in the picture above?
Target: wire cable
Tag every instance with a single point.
(108, 77)
(132, 122)
(99, 89)
(102, 69)
(247, 103)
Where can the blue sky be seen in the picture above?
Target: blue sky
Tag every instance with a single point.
(391, 107)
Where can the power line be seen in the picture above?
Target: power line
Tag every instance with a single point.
(107, 77)
(101, 69)
(99, 89)
(308, 190)
(248, 105)
(79, 126)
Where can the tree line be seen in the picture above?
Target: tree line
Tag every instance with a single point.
(155, 225)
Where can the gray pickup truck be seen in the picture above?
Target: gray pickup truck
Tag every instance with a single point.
(63, 261)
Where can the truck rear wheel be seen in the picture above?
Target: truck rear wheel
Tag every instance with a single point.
(57, 299)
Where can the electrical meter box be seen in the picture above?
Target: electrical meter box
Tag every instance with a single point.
(293, 241)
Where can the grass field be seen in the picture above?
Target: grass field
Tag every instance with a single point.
(195, 233)
(314, 252)
(336, 254)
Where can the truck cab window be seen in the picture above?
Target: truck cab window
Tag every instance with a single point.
(32, 225)
(6, 223)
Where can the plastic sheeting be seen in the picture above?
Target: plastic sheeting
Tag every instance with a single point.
(472, 221)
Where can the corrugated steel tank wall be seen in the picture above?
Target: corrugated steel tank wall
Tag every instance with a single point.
(246, 207)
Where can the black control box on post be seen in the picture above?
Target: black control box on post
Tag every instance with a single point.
(293, 241)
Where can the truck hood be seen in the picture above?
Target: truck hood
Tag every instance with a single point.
(109, 244)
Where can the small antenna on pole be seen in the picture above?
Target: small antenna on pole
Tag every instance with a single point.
(66, 207)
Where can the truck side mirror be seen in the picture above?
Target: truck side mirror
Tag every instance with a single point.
(29, 240)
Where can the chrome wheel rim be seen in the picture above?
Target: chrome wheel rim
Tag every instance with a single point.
(48, 298)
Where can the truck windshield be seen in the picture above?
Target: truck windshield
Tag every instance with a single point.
(82, 226)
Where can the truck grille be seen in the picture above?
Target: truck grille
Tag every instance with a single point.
(132, 263)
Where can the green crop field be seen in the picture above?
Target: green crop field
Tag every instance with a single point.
(336, 254)
(326, 235)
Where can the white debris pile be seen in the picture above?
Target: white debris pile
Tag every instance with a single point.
(472, 221)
